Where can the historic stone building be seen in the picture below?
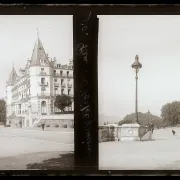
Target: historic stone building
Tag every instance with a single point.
(30, 94)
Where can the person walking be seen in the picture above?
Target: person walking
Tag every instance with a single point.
(43, 124)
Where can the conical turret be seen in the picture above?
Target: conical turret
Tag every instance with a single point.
(39, 57)
(12, 77)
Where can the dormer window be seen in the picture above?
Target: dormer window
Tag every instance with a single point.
(42, 61)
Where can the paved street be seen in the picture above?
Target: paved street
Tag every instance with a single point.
(21, 148)
(163, 153)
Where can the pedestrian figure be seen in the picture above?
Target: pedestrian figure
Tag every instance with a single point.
(151, 127)
(174, 132)
(43, 125)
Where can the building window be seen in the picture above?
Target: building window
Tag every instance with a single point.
(55, 80)
(55, 90)
(62, 80)
(42, 80)
(43, 89)
(42, 61)
(69, 90)
(61, 73)
(54, 72)
(42, 69)
(62, 91)
(43, 108)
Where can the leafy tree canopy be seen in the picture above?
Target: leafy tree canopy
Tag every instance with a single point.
(63, 101)
(143, 119)
(170, 112)
(2, 110)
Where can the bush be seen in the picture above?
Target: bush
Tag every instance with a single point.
(7, 125)
(47, 125)
(64, 125)
(104, 134)
(56, 125)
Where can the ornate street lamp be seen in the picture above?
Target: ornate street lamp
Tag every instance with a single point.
(136, 66)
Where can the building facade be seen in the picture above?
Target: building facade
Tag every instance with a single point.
(31, 93)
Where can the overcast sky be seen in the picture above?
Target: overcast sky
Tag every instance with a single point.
(18, 35)
(156, 39)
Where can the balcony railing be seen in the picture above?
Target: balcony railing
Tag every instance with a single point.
(63, 75)
(69, 76)
(56, 84)
(69, 85)
(42, 73)
(44, 114)
(63, 85)
(65, 112)
(71, 95)
(44, 95)
(43, 84)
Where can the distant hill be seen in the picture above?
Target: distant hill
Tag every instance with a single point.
(143, 119)
(109, 119)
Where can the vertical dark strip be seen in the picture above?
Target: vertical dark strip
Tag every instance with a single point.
(85, 37)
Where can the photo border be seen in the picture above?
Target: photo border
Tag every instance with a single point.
(86, 80)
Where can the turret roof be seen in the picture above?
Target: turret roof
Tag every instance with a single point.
(12, 77)
(39, 55)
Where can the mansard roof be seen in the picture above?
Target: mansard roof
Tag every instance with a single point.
(38, 55)
(12, 77)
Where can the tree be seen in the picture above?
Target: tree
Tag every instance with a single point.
(170, 113)
(63, 101)
(2, 111)
(143, 118)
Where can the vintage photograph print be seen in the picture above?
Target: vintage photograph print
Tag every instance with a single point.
(139, 92)
(36, 80)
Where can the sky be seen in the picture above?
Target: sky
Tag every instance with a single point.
(18, 34)
(156, 40)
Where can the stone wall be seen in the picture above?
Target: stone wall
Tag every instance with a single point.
(60, 120)
(107, 133)
(118, 133)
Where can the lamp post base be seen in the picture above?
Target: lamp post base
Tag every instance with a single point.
(129, 132)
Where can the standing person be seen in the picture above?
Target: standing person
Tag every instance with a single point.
(152, 128)
(43, 125)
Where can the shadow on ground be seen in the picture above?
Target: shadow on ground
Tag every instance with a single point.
(63, 162)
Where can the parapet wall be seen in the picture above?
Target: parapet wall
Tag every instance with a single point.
(124, 132)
